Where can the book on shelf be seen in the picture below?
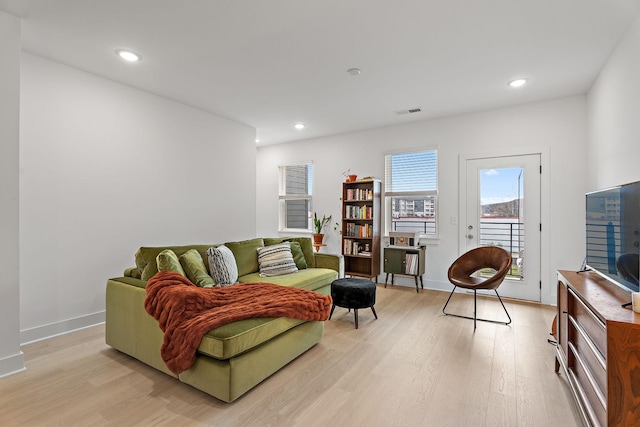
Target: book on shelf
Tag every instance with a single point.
(358, 212)
(354, 194)
(353, 247)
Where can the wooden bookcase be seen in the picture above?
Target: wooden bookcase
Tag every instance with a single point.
(599, 348)
(361, 228)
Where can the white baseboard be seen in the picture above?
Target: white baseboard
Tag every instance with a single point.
(40, 333)
(11, 365)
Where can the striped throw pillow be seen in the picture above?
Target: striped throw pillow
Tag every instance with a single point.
(276, 260)
(222, 266)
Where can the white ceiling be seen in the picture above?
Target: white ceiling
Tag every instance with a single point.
(270, 64)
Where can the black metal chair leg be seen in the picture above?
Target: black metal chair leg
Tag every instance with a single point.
(447, 303)
(333, 307)
(505, 308)
(475, 307)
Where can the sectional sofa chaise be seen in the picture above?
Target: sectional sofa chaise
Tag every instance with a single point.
(235, 357)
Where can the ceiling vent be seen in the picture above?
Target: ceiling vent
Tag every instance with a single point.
(411, 111)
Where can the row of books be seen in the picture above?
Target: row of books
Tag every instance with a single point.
(359, 230)
(353, 247)
(411, 264)
(359, 194)
(358, 212)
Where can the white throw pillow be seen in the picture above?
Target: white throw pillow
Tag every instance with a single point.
(276, 260)
(222, 265)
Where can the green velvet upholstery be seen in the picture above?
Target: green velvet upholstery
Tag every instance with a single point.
(195, 268)
(146, 257)
(229, 379)
(167, 260)
(298, 256)
(246, 255)
(233, 358)
(311, 279)
(129, 328)
(235, 338)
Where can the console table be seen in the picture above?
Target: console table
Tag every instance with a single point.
(599, 348)
(398, 260)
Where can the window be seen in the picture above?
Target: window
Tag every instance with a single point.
(295, 197)
(411, 192)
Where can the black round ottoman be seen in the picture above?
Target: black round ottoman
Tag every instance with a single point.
(353, 292)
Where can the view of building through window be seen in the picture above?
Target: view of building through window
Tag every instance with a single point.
(411, 191)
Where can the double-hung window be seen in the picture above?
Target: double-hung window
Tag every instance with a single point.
(295, 197)
(411, 192)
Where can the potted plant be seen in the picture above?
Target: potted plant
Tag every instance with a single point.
(318, 226)
(349, 176)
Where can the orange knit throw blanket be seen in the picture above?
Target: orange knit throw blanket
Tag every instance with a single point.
(186, 312)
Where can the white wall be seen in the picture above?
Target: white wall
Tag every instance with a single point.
(614, 117)
(556, 127)
(11, 359)
(105, 169)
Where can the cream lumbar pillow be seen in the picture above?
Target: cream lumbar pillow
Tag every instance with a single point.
(276, 260)
(167, 260)
(222, 265)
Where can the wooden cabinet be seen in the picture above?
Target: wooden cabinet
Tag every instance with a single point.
(404, 261)
(599, 348)
(361, 228)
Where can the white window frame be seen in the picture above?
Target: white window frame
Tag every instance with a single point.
(283, 197)
(389, 191)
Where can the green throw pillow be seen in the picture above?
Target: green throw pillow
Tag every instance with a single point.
(146, 257)
(298, 256)
(168, 261)
(195, 269)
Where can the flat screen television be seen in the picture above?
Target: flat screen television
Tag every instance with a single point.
(613, 234)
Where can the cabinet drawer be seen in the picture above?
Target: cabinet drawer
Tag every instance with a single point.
(591, 398)
(589, 323)
(590, 356)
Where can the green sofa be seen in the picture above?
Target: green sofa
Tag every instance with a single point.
(235, 357)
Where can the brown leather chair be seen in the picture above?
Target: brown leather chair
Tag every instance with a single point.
(461, 274)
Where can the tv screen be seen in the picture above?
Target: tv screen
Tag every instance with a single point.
(613, 234)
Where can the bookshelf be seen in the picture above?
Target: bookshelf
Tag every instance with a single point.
(361, 228)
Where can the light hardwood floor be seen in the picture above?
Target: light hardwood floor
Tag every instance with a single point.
(411, 367)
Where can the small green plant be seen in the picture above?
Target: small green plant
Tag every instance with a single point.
(320, 224)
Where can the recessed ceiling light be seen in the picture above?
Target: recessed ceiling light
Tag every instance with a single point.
(127, 55)
(518, 82)
(257, 140)
(354, 71)
(299, 126)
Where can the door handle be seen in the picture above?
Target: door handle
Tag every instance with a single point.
(469, 236)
